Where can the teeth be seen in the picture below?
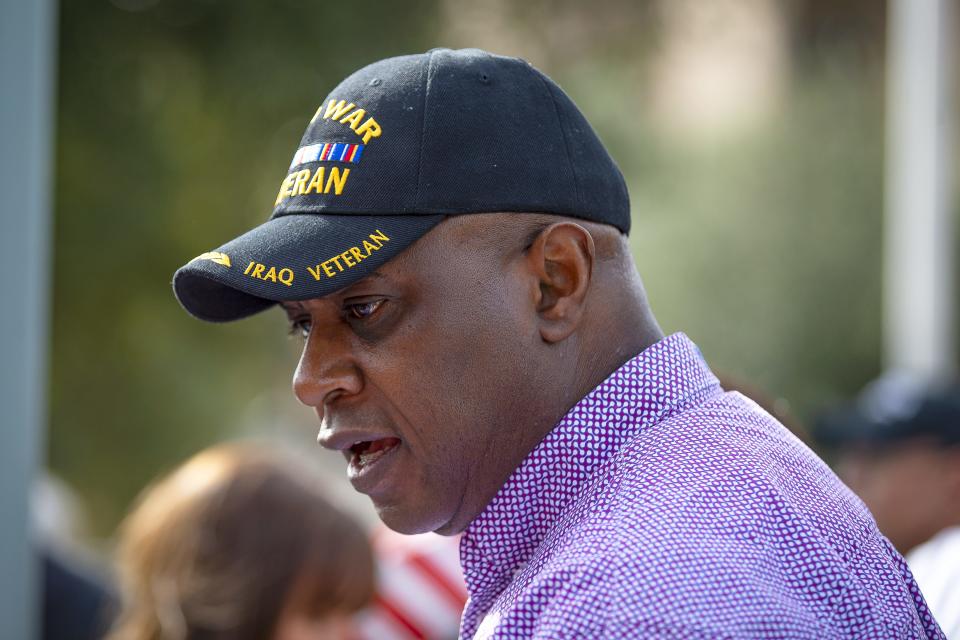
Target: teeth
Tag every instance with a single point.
(368, 458)
(374, 450)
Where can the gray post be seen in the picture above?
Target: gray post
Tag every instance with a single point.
(27, 46)
(918, 262)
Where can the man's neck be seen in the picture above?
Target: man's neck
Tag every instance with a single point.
(619, 337)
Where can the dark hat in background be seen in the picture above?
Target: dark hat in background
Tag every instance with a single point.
(391, 151)
(891, 410)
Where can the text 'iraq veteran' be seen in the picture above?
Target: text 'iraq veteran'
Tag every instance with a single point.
(351, 257)
(303, 182)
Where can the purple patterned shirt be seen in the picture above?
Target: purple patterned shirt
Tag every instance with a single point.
(662, 506)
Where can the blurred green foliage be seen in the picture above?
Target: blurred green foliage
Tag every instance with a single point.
(767, 249)
(177, 119)
(176, 122)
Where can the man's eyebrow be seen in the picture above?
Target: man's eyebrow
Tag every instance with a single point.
(376, 275)
(294, 306)
(291, 305)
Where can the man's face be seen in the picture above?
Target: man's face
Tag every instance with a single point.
(423, 375)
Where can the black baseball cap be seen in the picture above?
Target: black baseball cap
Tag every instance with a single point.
(394, 149)
(891, 410)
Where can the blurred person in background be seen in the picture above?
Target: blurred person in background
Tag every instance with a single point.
(77, 602)
(78, 599)
(898, 447)
(240, 543)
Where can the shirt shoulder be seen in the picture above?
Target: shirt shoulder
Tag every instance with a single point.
(719, 519)
(729, 463)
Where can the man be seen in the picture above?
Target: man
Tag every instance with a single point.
(451, 242)
(898, 448)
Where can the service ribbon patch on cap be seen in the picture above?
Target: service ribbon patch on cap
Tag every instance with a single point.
(328, 152)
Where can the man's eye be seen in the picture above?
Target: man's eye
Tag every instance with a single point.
(363, 310)
(300, 327)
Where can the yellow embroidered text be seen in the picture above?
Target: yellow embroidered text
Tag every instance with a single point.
(302, 182)
(261, 272)
(349, 258)
(348, 113)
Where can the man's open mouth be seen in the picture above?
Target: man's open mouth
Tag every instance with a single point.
(367, 452)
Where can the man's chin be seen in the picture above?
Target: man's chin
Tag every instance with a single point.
(411, 521)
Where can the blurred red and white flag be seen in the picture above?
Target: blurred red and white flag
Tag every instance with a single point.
(420, 588)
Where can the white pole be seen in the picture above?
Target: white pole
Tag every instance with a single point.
(918, 263)
(27, 46)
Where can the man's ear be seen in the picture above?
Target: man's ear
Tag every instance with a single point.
(561, 257)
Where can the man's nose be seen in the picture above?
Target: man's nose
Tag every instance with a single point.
(326, 370)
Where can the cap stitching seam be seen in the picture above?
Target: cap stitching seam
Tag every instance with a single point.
(423, 130)
(563, 134)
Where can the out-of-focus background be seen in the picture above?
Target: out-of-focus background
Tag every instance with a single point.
(752, 134)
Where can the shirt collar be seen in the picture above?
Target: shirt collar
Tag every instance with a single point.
(663, 380)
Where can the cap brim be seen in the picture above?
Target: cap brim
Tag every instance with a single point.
(292, 257)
